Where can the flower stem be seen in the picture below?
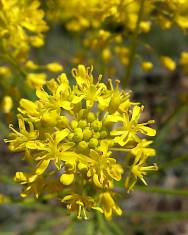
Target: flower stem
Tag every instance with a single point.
(102, 225)
(11, 61)
(134, 44)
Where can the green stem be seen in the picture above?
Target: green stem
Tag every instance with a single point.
(118, 149)
(165, 127)
(102, 225)
(174, 162)
(115, 228)
(134, 44)
(162, 215)
(11, 61)
(165, 191)
(3, 130)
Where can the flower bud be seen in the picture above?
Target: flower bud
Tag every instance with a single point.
(63, 120)
(87, 133)
(54, 67)
(82, 114)
(96, 135)
(93, 143)
(96, 125)
(67, 179)
(70, 136)
(82, 146)
(82, 123)
(78, 135)
(91, 117)
(103, 134)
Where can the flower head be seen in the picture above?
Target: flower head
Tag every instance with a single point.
(71, 135)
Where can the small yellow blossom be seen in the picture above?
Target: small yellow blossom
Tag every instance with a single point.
(54, 67)
(184, 61)
(147, 66)
(36, 80)
(106, 55)
(5, 71)
(108, 205)
(168, 63)
(31, 65)
(81, 204)
(7, 104)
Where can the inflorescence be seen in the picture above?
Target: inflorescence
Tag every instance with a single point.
(80, 140)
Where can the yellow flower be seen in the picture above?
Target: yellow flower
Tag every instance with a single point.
(184, 61)
(138, 170)
(128, 133)
(147, 66)
(5, 71)
(70, 136)
(106, 55)
(7, 104)
(31, 65)
(80, 204)
(168, 63)
(108, 205)
(54, 67)
(36, 80)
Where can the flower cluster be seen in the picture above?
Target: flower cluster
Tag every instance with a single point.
(107, 25)
(80, 140)
(98, 14)
(21, 26)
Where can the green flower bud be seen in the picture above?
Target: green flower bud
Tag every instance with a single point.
(96, 125)
(93, 143)
(82, 146)
(87, 133)
(74, 124)
(63, 120)
(78, 135)
(91, 117)
(103, 134)
(82, 113)
(70, 136)
(82, 123)
(96, 135)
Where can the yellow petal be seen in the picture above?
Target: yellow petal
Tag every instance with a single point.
(148, 131)
(96, 181)
(41, 167)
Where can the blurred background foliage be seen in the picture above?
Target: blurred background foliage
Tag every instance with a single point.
(161, 208)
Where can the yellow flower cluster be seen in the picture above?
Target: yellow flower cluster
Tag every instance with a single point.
(108, 24)
(21, 26)
(73, 138)
(122, 14)
(171, 12)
